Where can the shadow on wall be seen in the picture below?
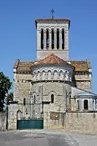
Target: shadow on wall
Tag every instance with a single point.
(2, 121)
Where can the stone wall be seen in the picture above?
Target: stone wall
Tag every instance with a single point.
(83, 81)
(84, 85)
(22, 86)
(12, 116)
(2, 121)
(81, 122)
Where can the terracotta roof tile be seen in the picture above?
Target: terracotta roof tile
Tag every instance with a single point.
(81, 65)
(21, 66)
(53, 59)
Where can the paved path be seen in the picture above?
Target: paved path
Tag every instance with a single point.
(28, 138)
(46, 138)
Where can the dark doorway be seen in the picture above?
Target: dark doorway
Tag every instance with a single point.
(85, 104)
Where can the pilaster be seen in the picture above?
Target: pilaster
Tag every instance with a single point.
(60, 39)
(44, 39)
(55, 39)
(50, 46)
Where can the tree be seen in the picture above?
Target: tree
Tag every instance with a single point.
(9, 97)
(5, 86)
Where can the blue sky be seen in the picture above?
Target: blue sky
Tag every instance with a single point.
(18, 32)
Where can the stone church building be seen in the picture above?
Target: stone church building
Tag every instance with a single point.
(53, 92)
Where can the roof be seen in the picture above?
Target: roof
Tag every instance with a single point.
(53, 59)
(23, 66)
(80, 92)
(52, 20)
(81, 65)
(26, 66)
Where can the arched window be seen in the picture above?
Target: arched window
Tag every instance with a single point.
(47, 39)
(52, 38)
(34, 99)
(42, 39)
(52, 98)
(49, 75)
(63, 39)
(85, 104)
(24, 101)
(78, 104)
(57, 38)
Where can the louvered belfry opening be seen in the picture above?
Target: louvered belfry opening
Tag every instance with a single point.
(47, 39)
(52, 34)
(42, 39)
(63, 39)
(57, 39)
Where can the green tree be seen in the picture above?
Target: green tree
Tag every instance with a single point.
(5, 86)
(9, 97)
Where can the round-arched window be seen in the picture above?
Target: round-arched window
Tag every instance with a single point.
(85, 104)
(52, 98)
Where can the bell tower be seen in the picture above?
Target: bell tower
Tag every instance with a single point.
(52, 37)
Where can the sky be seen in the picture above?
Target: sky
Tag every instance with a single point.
(18, 31)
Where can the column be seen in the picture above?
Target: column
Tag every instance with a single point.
(66, 39)
(60, 39)
(50, 42)
(55, 39)
(38, 40)
(44, 39)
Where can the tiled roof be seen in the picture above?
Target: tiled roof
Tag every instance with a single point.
(81, 65)
(23, 66)
(53, 59)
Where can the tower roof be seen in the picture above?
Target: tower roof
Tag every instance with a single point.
(52, 20)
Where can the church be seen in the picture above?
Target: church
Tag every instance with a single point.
(54, 91)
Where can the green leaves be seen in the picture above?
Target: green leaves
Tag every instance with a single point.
(5, 86)
(9, 97)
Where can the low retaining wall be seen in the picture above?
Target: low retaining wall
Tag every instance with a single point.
(2, 121)
(81, 122)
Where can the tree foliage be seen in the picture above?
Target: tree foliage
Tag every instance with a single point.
(5, 86)
(9, 97)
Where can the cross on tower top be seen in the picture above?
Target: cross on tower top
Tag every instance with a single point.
(52, 11)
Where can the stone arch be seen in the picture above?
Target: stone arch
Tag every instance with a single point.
(55, 74)
(65, 72)
(52, 96)
(85, 104)
(69, 76)
(61, 75)
(34, 98)
(43, 75)
(38, 75)
(34, 76)
(66, 75)
(49, 73)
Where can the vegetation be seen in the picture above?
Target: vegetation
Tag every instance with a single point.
(5, 86)
(9, 97)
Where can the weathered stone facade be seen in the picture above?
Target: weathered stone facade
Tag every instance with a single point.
(53, 88)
